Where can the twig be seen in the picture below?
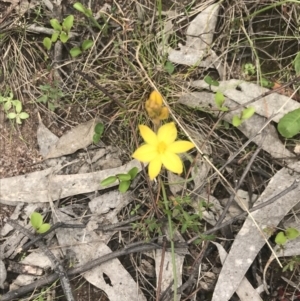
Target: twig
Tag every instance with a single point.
(141, 247)
(244, 214)
(55, 226)
(58, 268)
(232, 195)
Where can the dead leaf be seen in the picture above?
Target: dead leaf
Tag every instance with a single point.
(77, 138)
(250, 240)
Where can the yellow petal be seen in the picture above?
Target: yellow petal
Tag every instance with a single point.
(172, 162)
(180, 147)
(154, 167)
(145, 153)
(167, 133)
(156, 98)
(164, 113)
(148, 135)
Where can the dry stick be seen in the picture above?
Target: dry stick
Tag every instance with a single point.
(141, 247)
(55, 226)
(158, 289)
(244, 214)
(229, 202)
(121, 105)
(58, 268)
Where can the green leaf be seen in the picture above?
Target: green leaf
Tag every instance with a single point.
(47, 43)
(266, 83)
(236, 121)
(18, 106)
(247, 113)
(11, 115)
(280, 238)
(124, 185)
(133, 172)
(55, 24)
(289, 124)
(68, 23)
(96, 138)
(43, 228)
(219, 99)
(54, 36)
(297, 63)
(123, 177)
(23, 115)
(291, 233)
(108, 181)
(18, 120)
(78, 6)
(224, 109)
(36, 220)
(169, 67)
(87, 44)
(211, 81)
(75, 51)
(42, 99)
(64, 37)
(99, 128)
(7, 106)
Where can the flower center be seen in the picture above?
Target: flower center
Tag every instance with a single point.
(161, 147)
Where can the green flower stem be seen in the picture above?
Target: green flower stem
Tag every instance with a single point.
(171, 233)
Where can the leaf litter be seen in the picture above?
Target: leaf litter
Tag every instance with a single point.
(48, 186)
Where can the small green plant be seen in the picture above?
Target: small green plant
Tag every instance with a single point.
(124, 179)
(98, 131)
(296, 63)
(219, 100)
(211, 82)
(75, 51)
(283, 236)
(249, 69)
(36, 221)
(169, 67)
(289, 125)
(295, 261)
(148, 228)
(51, 95)
(61, 31)
(245, 114)
(13, 108)
(89, 15)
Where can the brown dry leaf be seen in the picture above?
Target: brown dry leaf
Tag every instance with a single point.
(77, 138)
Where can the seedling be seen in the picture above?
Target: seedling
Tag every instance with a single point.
(51, 95)
(15, 105)
(289, 234)
(211, 82)
(36, 221)
(89, 14)
(249, 69)
(124, 179)
(61, 31)
(98, 131)
(246, 114)
(169, 67)
(75, 51)
(219, 100)
(295, 261)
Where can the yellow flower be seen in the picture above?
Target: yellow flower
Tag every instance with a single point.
(155, 109)
(161, 149)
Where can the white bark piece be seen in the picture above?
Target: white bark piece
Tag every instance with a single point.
(43, 186)
(240, 92)
(245, 291)
(199, 38)
(87, 245)
(250, 240)
(250, 127)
